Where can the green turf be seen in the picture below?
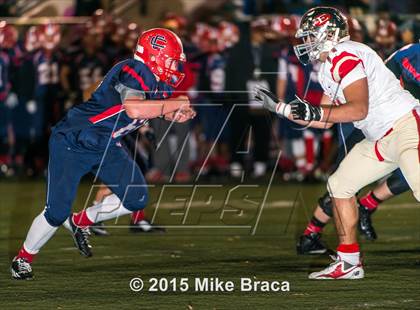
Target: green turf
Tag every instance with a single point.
(64, 280)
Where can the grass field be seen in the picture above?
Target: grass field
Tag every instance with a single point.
(204, 245)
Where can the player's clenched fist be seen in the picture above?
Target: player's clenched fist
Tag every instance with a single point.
(303, 110)
(184, 112)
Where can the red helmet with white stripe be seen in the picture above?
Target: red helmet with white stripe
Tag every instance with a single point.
(161, 50)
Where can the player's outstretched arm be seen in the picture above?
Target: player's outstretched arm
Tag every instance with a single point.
(356, 107)
(137, 107)
(272, 103)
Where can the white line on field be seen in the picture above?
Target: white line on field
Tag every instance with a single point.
(278, 204)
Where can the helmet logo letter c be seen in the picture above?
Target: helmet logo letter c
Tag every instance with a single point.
(158, 42)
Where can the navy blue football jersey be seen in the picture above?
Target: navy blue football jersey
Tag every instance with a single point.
(88, 69)
(102, 119)
(47, 69)
(405, 64)
(4, 75)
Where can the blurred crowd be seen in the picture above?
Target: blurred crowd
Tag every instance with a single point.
(48, 68)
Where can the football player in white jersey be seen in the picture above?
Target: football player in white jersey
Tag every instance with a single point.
(358, 88)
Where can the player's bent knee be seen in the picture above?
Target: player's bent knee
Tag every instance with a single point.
(339, 187)
(136, 199)
(55, 219)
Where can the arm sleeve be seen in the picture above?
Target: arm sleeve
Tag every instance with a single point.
(126, 92)
(357, 73)
(130, 77)
(343, 64)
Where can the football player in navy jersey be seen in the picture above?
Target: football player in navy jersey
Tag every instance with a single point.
(5, 112)
(47, 63)
(87, 140)
(27, 117)
(89, 64)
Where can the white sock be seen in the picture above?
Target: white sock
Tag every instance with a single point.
(39, 233)
(351, 258)
(110, 208)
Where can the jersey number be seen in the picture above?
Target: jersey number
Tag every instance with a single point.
(48, 73)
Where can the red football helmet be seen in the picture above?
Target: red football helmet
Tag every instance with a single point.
(285, 26)
(161, 50)
(49, 35)
(8, 35)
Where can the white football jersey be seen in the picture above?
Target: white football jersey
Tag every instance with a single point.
(350, 61)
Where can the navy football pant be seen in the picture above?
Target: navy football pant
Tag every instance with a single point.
(67, 165)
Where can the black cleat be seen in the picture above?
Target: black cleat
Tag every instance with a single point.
(145, 226)
(80, 238)
(310, 245)
(21, 269)
(99, 229)
(365, 223)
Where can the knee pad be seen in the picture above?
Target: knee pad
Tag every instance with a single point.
(136, 198)
(55, 218)
(326, 205)
(397, 183)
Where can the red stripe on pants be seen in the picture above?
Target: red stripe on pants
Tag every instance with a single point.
(417, 117)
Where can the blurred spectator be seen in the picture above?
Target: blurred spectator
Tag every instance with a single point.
(47, 62)
(5, 111)
(213, 42)
(356, 30)
(238, 71)
(263, 66)
(27, 117)
(90, 64)
(385, 38)
(299, 144)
